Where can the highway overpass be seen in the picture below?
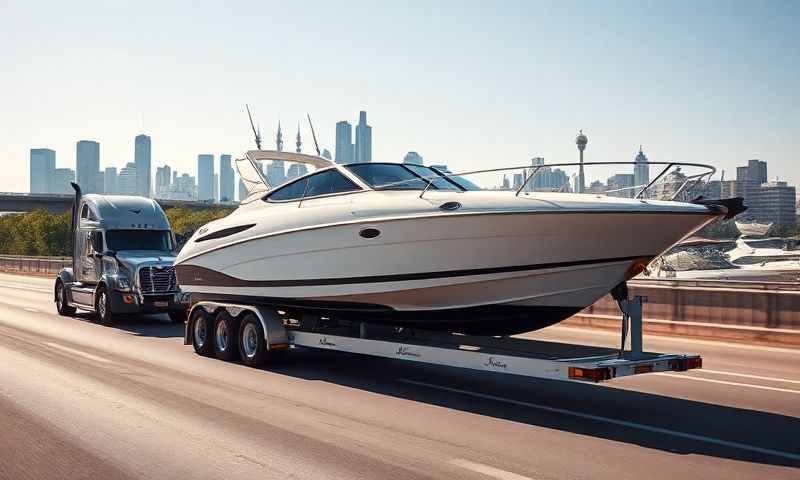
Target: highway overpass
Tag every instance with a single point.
(57, 203)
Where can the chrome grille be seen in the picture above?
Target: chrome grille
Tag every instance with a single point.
(157, 280)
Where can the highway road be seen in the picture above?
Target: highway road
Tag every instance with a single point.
(81, 400)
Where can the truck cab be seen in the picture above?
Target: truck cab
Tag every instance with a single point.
(123, 251)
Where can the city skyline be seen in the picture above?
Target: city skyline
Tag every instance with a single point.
(676, 78)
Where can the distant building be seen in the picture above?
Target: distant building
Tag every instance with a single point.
(596, 187)
(296, 170)
(774, 202)
(110, 185)
(61, 180)
(126, 180)
(242, 190)
(275, 170)
(517, 181)
(142, 156)
(545, 179)
(326, 154)
(226, 179)
(163, 181)
(42, 168)
(344, 143)
(622, 183)
(363, 139)
(87, 166)
(216, 187)
(413, 158)
(205, 177)
(506, 183)
(641, 171)
(441, 168)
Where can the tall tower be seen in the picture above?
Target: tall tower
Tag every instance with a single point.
(299, 142)
(205, 177)
(279, 139)
(641, 171)
(226, 179)
(141, 158)
(344, 142)
(87, 165)
(42, 168)
(581, 142)
(363, 139)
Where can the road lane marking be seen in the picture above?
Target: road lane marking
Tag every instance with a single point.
(487, 470)
(32, 310)
(682, 340)
(725, 382)
(613, 421)
(78, 352)
(747, 375)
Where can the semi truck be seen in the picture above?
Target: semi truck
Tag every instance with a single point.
(122, 254)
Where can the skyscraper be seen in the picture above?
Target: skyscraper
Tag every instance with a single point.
(127, 180)
(163, 181)
(226, 179)
(413, 158)
(42, 167)
(205, 177)
(242, 190)
(276, 172)
(326, 154)
(61, 180)
(216, 188)
(87, 165)
(344, 142)
(110, 184)
(142, 155)
(641, 171)
(363, 139)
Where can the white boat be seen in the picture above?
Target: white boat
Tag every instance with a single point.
(752, 229)
(409, 245)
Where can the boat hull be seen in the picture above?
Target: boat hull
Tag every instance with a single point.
(515, 272)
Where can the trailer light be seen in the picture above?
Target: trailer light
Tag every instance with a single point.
(683, 364)
(279, 346)
(643, 368)
(591, 374)
(127, 298)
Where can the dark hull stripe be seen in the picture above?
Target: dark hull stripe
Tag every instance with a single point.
(201, 276)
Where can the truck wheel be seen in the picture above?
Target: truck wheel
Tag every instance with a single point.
(61, 301)
(226, 336)
(252, 347)
(202, 327)
(177, 316)
(102, 306)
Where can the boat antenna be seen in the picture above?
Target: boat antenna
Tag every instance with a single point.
(313, 135)
(257, 133)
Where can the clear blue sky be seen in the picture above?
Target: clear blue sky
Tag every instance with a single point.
(468, 84)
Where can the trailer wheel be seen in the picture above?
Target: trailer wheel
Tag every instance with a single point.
(252, 347)
(102, 306)
(226, 336)
(201, 329)
(61, 301)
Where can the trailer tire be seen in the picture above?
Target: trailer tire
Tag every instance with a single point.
(102, 306)
(225, 336)
(201, 328)
(61, 301)
(252, 346)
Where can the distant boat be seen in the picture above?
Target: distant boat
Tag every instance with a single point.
(751, 229)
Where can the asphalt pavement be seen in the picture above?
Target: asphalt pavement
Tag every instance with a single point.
(82, 400)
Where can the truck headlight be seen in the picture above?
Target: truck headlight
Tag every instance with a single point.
(110, 266)
(123, 283)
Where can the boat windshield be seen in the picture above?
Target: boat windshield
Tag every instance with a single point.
(138, 240)
(395, 176)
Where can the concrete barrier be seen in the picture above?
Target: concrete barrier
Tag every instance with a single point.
(33, 265)
(722, 310)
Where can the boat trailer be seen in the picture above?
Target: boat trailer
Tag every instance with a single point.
(511, 355)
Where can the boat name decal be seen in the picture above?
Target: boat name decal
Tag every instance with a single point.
(404, 351)
(495, 363)
(325, 342)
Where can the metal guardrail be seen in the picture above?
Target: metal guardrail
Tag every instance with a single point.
(729, 284)
(29, 264)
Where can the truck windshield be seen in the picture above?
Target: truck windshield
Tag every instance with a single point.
(138, 240)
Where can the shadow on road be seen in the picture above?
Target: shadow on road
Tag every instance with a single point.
(158, 326)
(727, 424)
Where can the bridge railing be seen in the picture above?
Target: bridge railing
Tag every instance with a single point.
(32, 264)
